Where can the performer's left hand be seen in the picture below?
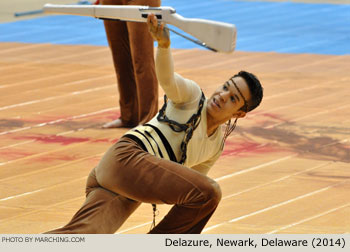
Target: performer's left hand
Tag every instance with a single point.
(158, 32)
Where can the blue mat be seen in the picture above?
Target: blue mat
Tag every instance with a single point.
(262, 26)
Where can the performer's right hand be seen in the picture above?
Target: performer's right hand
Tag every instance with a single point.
(158, 32)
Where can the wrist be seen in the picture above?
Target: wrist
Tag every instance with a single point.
(164, 44)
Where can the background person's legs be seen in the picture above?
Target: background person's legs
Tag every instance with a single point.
(133, 56)
(141, 46)
(142, 54)
(118, 40)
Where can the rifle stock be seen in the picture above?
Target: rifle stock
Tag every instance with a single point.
(217, 35)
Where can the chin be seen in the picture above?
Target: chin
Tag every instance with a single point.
(210, 106)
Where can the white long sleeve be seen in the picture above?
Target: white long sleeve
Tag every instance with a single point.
(178, 89)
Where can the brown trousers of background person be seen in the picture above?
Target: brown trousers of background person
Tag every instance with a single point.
(132, 50)
(127, 176)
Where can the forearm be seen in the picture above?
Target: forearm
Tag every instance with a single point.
(177, 88)
(165, 68)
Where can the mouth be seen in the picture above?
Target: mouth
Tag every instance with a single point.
(216, 103)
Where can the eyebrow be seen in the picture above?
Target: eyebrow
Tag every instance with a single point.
(235, 95)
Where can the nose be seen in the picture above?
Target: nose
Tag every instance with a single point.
(224, 96)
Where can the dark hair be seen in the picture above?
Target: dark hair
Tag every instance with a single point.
(255, 88)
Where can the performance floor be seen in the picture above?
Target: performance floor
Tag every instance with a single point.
(285, 169)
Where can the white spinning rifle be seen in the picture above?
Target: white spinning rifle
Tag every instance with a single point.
(216, 36)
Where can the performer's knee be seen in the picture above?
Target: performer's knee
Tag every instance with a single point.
(212, 193)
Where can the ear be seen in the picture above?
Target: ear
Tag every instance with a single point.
(239, 114)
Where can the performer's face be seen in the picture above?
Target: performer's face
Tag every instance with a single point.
(227, 102)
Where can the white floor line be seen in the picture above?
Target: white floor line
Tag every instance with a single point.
(242, 150)
(22, 47)
(58, 75)
(274, 206)
(21, 195)
(290, 105)
(321, 112)
(70, 56)
(42, 153)
(55, 76)
(308, 219)
(42, 189)
(17, 144)
(223, 62)
(135, 227)
(307, 116)
(302, 66)
(86, 80)
(40, 208)
(274, 181)
(255, 167)
(290, 92)
(55, 59)
(55, 97)
(15, 130)
(51, 167)
(53, 110)
(59, 120)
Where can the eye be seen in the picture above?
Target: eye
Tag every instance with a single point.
(233, 99)
(225, 87)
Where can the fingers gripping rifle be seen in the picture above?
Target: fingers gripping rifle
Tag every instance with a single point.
(216, 36)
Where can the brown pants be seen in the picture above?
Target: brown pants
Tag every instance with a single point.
(127, 176)
(132, 51)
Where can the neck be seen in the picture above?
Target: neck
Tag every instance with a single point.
(212, 124)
